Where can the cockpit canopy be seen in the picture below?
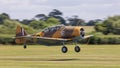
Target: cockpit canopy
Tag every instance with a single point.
(53, 28)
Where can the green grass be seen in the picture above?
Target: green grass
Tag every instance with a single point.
(91, 56)
(88, 29)
(117, 36)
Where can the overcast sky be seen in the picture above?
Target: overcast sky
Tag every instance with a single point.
(85, 9)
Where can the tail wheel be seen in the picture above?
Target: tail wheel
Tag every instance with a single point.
(25, 46)
(64, 49)
(77, 49)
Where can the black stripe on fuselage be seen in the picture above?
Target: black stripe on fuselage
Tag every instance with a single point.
(49, 33)
(67, 32)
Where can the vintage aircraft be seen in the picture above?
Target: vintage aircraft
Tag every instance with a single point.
(54, 34)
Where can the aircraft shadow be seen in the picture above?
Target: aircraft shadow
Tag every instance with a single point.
(41, 59)
(38, 59)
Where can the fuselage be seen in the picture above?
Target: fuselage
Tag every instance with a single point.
(49, 35)
(61, 32)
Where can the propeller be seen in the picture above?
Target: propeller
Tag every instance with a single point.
(82, 33)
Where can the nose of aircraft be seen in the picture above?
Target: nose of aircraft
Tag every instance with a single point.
(82, 32)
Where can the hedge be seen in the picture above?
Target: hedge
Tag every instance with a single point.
(7, 41)
(104, 40)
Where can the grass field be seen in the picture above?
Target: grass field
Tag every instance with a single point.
(91, 56)
(88, 28)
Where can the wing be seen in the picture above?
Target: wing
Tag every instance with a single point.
(56, 39)
(60, 39)
(88, 36)
(81, 38)
(45, 38)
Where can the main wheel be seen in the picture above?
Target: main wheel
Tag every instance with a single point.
(64, 49)
(77, 49)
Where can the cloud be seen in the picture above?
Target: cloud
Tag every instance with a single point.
(38, 2)
(8, 1)
(21, 1)
(86, 9)
(92, 11)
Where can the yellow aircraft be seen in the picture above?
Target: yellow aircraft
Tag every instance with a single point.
(54, 34)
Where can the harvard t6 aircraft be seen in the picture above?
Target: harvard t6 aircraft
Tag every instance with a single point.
(55, 34)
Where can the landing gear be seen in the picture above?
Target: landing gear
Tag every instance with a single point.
(77, 49)
(64, 49)
(25, 46)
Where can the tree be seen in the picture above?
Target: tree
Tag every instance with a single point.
(3, 16)
(26, 21)
(41, 17)
(93, 22)
(58, 15)
(55, 13)
(110, 25)
(37, 24)
(52, 21)
(40, 24)
(75, 21)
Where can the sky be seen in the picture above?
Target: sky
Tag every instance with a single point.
(85, 9)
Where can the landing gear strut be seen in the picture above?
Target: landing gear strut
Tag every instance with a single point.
(64, 48)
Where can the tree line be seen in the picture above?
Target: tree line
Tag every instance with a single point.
(110, 25)
(55, 17)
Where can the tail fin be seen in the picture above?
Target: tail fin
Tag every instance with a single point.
(20, 32)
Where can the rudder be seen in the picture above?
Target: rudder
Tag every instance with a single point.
(19, 33)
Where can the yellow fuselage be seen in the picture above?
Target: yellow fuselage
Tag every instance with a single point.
(62, 32)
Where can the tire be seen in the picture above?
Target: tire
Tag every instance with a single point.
(64, 49)
(77, 49)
